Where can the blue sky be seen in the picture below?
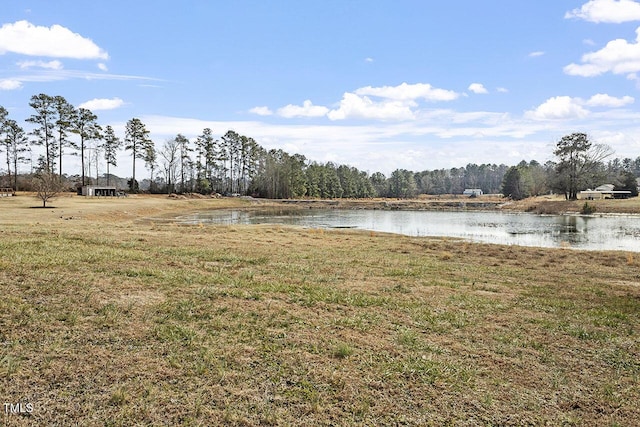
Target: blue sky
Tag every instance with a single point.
(377, 85)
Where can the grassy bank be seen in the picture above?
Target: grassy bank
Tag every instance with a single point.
(109, 319)
(557, 205)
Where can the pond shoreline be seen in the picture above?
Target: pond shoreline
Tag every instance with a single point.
(393, 204)
(604, 232)
(550, 205)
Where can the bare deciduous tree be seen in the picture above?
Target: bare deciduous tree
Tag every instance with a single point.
(47, 187)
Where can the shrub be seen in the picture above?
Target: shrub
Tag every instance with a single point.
(588, 209)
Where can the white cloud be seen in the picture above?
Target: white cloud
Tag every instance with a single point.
(51, 65)
(609, 11)
(372, 103)
(536, 54)
(353, 106)
(478, 88)
(566, 107)
(368, 59)
(10, 84)
(397, 103)
(102, 104)
(102, 67)
(261, 111)
(60, 75)
(406, 92)
(56, 41)
(618, 57)
(502, 90)
(604, 100)
(306, 110)
(559, 107)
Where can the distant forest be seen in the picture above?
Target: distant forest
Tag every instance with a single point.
(235, 164)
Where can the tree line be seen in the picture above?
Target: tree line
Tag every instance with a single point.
(580, 164)
(237, 164)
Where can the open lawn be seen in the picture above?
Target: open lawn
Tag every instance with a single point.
(112, 315)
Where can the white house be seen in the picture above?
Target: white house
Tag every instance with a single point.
(605, 191)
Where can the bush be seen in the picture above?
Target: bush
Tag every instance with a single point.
(588, 209)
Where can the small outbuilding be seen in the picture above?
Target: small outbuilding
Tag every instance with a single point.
(97, 191)
(7, 192)
(472, 192)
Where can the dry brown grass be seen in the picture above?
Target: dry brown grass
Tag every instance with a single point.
(558, 205)
(109, 319)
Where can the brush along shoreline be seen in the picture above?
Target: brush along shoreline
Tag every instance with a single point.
(550, 205)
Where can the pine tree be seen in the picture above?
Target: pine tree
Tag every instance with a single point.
(137, 140)
(112, 144)
(44, 118)
(86, 126)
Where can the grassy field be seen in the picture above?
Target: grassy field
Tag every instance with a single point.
(112, 315)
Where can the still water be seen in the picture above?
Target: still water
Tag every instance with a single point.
(580, 232)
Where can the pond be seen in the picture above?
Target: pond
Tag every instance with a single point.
(580, 232)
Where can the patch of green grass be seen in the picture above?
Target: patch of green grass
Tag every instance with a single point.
(9, 365)
(342, 351)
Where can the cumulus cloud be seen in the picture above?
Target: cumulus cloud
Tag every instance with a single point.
(478, 88)
(502, 90)
(353, 106)
(368, 59)
(24, 38)
(609, 11)
(97, 104)
(604, 100)
(9, 84)
(388, 102)
(373, 103)
(566, 107)
(261, 111)
(618, 56)
(102, 67)
(536, 54)
(306, 110)
(406, 92)
(559, 107)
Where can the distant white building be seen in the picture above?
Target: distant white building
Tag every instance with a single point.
(605, 191)
(94, 190)
(472, 192)
(7, 192)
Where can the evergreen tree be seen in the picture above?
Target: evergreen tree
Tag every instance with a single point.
(628, 182)
(150, 160)
(112, 144)
(205, 159)
(44, 119)
(16, 143)
(184, 150)
(137, 141)
(66, 117)
(513, 185)
(85, 124)
(579, 161)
